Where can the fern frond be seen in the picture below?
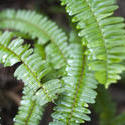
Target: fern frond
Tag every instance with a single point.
(32, 69)
(104, 36)
(30, 112)
(38, 26)
(106, 109)
(79, 85)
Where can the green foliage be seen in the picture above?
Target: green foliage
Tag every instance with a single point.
(58, 65)
(32, 69)
(38, 26)
(72, 107)
(103, 34)
(30, 111)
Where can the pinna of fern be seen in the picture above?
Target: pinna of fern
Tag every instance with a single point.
(40, 27)
(32, 69)
(103, 34)
(79, 84)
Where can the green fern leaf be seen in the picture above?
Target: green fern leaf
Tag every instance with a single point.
(104, 36)
(8, 57)
(32, 69)
(38, 26)
(30, 112)
(79, 85)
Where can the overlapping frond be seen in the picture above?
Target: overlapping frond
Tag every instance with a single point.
(104, 35)
(38, 26)
(79, 85)
(32, 69)
(54, 73)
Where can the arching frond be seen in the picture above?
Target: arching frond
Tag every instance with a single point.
(32, 69)
(104, 35)
(73, 37)
(79, 85)
(38, 26)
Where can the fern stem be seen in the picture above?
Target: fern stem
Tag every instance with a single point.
(30, 113)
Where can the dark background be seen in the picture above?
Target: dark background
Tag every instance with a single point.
(10, 88)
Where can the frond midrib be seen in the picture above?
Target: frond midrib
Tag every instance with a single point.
(103, 39)
(41, 30)
(31, 109)
(80, 81)
(33, 74)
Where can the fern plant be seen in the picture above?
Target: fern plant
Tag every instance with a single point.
(61, 70)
